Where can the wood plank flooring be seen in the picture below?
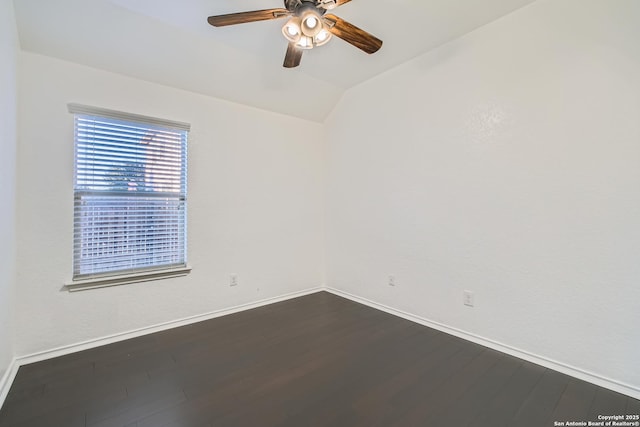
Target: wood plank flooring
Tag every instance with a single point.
(318, 360)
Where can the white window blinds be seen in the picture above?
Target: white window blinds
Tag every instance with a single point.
(130, 193)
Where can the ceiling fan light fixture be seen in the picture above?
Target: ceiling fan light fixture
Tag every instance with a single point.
(322, 37)
(291, 30)
(305, 42)
(311, 24)
(328, 4)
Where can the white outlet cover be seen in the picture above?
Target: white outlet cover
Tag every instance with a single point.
(468, 299)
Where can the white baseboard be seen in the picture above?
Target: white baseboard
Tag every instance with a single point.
(572, 371)
(7, 380)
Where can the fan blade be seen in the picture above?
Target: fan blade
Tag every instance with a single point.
(341, 2)
(242, 17)
(293, 57)
(352, 34)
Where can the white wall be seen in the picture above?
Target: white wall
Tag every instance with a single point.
(507, 163)
(255, 206)
(8, 143)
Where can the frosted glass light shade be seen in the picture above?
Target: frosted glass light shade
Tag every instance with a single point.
(291, 30)
(311, 24)
(305, 42)
(322, 37)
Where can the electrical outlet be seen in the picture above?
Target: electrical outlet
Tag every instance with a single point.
(233, 280)
(467, 298)
(392, 280)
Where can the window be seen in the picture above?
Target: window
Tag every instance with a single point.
(130, 195)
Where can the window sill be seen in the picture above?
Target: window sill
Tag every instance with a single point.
(125, 279)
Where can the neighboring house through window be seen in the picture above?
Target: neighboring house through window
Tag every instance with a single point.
(130, 191)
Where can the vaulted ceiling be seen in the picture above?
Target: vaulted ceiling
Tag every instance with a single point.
(170, 42)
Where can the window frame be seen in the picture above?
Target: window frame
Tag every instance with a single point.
(122, 277)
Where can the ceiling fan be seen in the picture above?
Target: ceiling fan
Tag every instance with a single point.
(309, 25)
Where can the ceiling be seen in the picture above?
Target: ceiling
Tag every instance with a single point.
(170, 42)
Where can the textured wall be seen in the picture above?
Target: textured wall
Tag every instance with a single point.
(8, 142)
(507, 163)
(255, 206)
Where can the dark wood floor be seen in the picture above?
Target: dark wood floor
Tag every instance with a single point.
(319, 360)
